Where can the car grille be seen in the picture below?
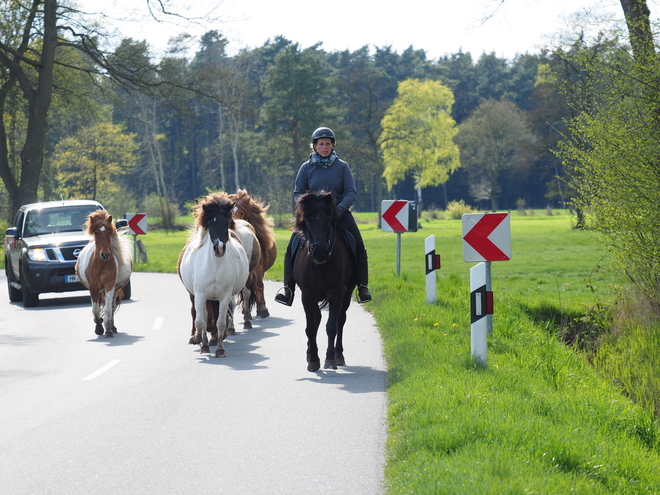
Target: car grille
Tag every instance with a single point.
(61, 254)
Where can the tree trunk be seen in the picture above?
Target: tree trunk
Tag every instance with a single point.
(39, 99)
(640, 34)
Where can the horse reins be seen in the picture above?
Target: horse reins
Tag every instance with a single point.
(330, 242)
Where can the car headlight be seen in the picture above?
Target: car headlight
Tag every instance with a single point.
(37, 254)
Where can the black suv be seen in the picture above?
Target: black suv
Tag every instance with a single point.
(42, 247)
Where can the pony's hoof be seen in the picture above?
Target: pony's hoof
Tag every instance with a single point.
(192, 341)
(205, 349)
(109, 335)
(330, 363)
(340, 360)
(229, 331)
(98, 330)
(263, 313)
(314, 366)
(247, 325)
(220, 353)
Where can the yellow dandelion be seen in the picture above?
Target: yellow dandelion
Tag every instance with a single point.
(455, 325)
(436, 324)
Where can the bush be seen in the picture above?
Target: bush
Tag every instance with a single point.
(156, 206)
(456, 209)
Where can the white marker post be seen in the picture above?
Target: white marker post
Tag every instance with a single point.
(486, 237)
(432, 264)
(481, 310)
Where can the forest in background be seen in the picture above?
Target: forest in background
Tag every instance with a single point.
(213, 121)
(575, 125)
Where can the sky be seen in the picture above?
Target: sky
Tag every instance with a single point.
(440, 27)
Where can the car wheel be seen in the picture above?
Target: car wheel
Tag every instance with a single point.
(15, 295)
(30, 300)
(127, 291)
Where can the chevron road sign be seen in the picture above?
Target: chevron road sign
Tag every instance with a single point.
(486, 237)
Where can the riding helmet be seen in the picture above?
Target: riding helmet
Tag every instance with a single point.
(323, 132)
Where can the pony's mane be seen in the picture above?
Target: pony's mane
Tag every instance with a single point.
(98, 219)
(120, 244)
(213, 202)
(254, 212)
(209, 206)
(308, 203)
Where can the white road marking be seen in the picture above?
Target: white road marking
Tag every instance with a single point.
(158, 323)
(102, 370)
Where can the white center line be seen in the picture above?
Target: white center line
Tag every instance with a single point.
(158, 323)
(102, 370)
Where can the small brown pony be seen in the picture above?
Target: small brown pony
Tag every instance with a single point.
(104, 266)
(254, 212)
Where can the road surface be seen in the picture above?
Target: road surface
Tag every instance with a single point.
(146, 413)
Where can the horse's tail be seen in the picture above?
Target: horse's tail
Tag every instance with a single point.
(250, 284)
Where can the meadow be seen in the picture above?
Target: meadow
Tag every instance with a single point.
(538, 417)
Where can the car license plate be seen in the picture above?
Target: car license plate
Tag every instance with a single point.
(71, 278)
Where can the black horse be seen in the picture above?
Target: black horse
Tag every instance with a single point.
(324, 271)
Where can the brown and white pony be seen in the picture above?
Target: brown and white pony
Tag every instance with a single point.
(254, 212)
(104, 266)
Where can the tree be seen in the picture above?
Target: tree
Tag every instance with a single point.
(34, 34)
(613, 156)
(417, 135)
(496, 138)
(93, 162)
(296, 89)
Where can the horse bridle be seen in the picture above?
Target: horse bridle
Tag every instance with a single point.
(330, 242)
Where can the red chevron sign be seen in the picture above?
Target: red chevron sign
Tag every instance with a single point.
(395, 216)
(486, 237)
(137, 223)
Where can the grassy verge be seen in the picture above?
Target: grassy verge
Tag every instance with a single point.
(538, 418)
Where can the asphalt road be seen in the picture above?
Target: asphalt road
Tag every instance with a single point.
(147, 413)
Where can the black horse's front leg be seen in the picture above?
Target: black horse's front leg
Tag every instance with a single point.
(331, 330)
(313, 319)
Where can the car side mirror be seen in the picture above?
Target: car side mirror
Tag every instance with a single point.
(122, 223)
(12, 232)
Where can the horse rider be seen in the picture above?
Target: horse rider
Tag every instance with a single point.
(325, 171)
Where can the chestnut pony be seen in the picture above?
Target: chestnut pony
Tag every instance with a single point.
(324, 271)
(104, 266)
(254, 211)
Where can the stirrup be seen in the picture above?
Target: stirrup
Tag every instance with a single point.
(284, 296)
(363, 294)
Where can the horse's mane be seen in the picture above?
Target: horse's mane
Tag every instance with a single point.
(205, 210)
(98, 219)
(254, 212)
(308, 203)
(119, 243)
(209, 206)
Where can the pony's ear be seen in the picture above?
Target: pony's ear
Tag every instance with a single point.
(328, 198)
(110, 218)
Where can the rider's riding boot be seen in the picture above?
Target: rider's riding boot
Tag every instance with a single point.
(363, 278)
(286, 293)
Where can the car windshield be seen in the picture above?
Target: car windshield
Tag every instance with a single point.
(54, 220)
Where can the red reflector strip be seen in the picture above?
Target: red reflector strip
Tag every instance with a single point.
(489, 303)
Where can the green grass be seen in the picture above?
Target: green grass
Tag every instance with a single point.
(538, 418)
